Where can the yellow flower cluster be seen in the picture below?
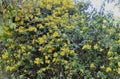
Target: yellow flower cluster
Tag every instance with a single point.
(39, 37)
(86, 46)
(95, 46)
(38, 61)
(92, 65)
(108, 69)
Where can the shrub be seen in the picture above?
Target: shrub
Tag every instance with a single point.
(97, 45)
(35, 39)
(57, 39)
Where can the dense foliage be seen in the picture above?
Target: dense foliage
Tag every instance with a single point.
(58, 39)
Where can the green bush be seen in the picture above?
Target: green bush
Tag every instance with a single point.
(35, 39)
(57, 39)
(97, 45)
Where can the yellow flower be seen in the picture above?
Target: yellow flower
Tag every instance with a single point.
(46, 57)
(30, 15)
(116, 57)
(95, 46)
(36, 19)
(119, 64)
(118, 70)
(48, 6)
(25, 70)
(47, 61)
(40, 26)
(54, 59)
(17, 18)
(110, 53)
(38, 10)
(118, 41)
(92, 65)
(104, 21)
(102, 67)
(104, 27)
(9, 68)
(4, 56)
(62, 53)
(29, 47)
(38, 61)
(55, 54)
(65, 61)
(81, 70)
(118, 27)
(72, 51)
(73, 63)
(50, 30)
(33, 41)
(110, 58)
(108, 69)
(119, 35)
(41, 4)
(41, 40)
(87, 46)
(26, 17)
(32, 29)
(55, 34)
(50, 50)
(101, 49)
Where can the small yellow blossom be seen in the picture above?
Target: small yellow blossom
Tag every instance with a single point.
(9, 68)
(65, 61)
(118, 41)
(118, 27)
(50, 50)
(62, 53)
(118, 70)
(55, 34)
(119, 35)
(17, 18)
(74, 63)
(81, 70)
(40, 26)
(46, 57)
(102, 67)
(47, 61)
(55, 54)
(108, 69)
(104, 21)
(41, 40)
(32, 29)
(110, 53)
(95, 46)
(48, 6)
(29, 47)
(101, 49)
(110, 58)
(116, 57)
(4, 56)
(92, 65)
(87, 46)
(104, 27)
(38, 61)
(119, 64)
